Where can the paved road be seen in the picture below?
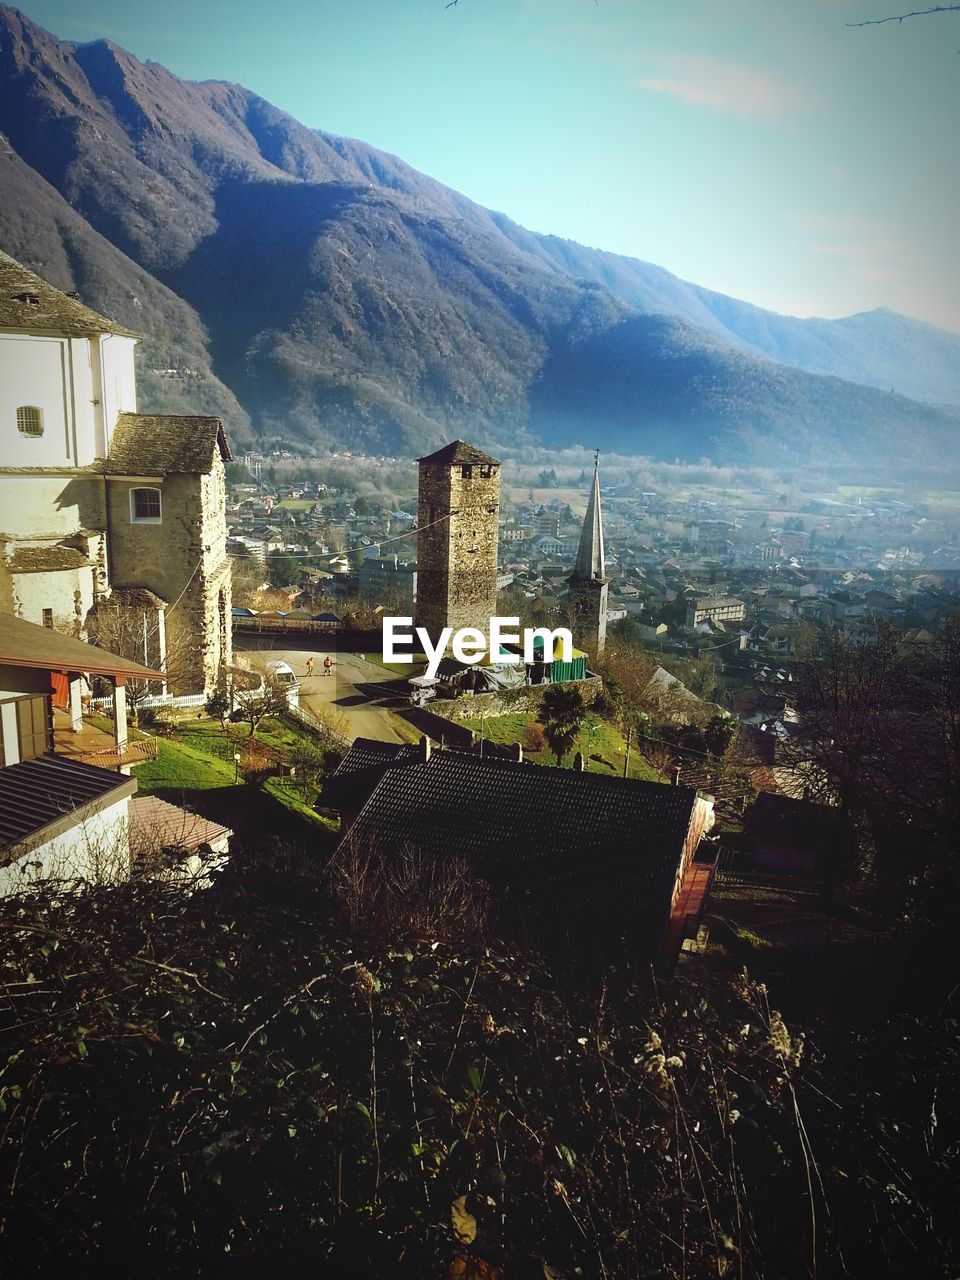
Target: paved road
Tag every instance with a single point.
(359, 689)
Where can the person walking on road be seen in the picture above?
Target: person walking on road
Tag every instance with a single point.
(327, 665)
(309, 666)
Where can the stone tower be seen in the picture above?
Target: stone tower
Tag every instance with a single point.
(588, 582)
(459, 506)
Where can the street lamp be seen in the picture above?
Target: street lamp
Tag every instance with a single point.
(236, 767)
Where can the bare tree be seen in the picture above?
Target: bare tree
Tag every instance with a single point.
(878, 729)
(406, 892)
(265, 696)
(902, 17)
(137, 633)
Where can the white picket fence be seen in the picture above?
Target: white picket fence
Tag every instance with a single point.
(156, 700)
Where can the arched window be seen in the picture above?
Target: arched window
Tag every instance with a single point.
(145, 506)
(30, 420)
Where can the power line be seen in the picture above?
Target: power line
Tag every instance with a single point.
(378, 542)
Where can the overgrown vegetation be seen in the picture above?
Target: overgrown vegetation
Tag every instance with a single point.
(233, 1080)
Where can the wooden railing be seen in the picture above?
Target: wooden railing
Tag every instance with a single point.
(114, 757)
(259, 625)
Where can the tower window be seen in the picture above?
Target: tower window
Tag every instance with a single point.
(486, 471)
(467, 471)
(30, 420)
(145, 506)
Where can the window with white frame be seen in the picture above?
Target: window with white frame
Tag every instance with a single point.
(30, 420)
(145, 506)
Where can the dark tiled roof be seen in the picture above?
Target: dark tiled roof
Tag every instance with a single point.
(46, 559)
(577, 835)
(152, 444)
(28, 302)
(37, 793)
(360, 770)
(456, 452)
(25, 644)
(358, 773)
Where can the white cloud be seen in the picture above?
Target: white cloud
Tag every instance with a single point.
(731, 88)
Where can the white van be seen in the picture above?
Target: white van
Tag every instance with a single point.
(285, 676)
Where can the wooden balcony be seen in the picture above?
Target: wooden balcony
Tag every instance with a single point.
(94, 745)
(111, 758)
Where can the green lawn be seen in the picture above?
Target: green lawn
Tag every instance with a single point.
(849, 491)
(298, 504)
(942, 502)
(195, 767)
(207, 736)
(602, 744)
(180, 766)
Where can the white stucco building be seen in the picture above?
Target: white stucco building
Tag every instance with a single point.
(100, 503)
(69, 814)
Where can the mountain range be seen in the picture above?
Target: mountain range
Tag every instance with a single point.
(312, 288)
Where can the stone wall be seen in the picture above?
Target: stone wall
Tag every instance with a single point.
(40, 511)
(67, 593)
(183, 560)
(457, 557)
(506, 702)
(52, 505)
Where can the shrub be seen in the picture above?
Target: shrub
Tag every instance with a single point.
(534, 738)
(406, 893)
(256, 764)
(226, 1082)
(218, 705)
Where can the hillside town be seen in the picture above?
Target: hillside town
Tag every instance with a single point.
(690, 619)
(195, 670)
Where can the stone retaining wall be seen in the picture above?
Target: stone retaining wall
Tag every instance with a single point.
(505, 702)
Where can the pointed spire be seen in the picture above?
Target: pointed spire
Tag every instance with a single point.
(590, 563)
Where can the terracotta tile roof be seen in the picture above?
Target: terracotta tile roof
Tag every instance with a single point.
(46, 559)
(580, 836)
(146, 444)
(458, 451)
(156, 825)
(25, 644)
(37, 794)
(28, 302)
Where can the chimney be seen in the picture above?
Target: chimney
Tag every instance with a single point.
(516, 752)
(424, 746)
(578, 762)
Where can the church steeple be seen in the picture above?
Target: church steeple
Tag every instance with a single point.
(588, 582)
(590, 563)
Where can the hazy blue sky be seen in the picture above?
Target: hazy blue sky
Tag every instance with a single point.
(758, 147)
